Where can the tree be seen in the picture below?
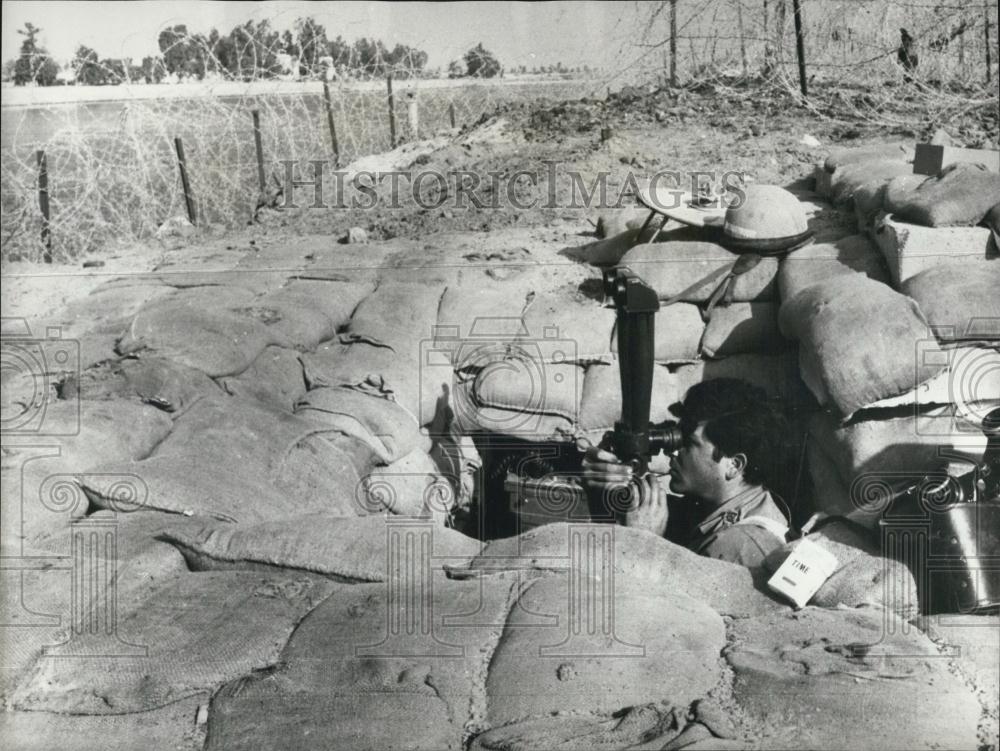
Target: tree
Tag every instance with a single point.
(116, 70)
(481, 63)
(312, 44)
(34, 64)
(153, 69)
(87, 67)
(455, 69)
(255, 51)
(177, 49)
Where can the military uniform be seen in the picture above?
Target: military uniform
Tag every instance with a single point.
(742, 530)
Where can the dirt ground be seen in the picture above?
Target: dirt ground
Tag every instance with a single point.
(558, 149)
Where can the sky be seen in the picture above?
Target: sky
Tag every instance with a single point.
(518, 33)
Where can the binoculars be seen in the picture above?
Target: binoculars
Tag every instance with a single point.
(634, 439)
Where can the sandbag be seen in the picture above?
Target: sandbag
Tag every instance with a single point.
(819, 678)
(694, 271)
(410, 486)
(231, 623)
(639, 557)
(334, 301)
(566, 326)
(863, 576)
(857, 339)
(293, 318)
(384, 425)
(275, 378)
(474, 321)
(473, 671)
(414, 384)
(601, 404)
(345, 549)
(107, 308)
(778, 375)
(850, 177)
(396, 315)
(186, 484)
(743, 327)
(519, 385)
(40, 493)
(159, 382)
(424, 682)
(992, 222)
(898, 191)
(962, 303)
(667, 646)
(868, 199)
(840, 157)
(677, 333)
(821, 261)
(890, 449)
(198, 328)
(862, 502)
(119, 565)
(959, 196)
(158, 728)
(288, 448)
(267, 464)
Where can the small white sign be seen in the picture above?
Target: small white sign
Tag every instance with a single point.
(803, 572)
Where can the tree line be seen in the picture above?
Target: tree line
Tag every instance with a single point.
(250, 51)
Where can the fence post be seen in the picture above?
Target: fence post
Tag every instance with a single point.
(743, 41)
(329, 122)
(43, 203)
(392, 113)
(673, 43)
(188, 198)
(989, 61)
(800, 49)
(260, 151)
(451, 111)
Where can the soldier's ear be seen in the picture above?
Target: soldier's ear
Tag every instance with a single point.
(737, 464)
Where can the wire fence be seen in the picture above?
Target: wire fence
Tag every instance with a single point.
(119, 183)
(112, 167)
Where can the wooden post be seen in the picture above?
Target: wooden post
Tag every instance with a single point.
(329, 122)
(451, 112)
(43, 204)
(673, 42)
(260, 152)
(989, 61)
(392, 113)
(743, 41)
(185, 184)
(800, 49)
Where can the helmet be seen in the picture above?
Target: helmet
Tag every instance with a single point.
(766, 213)
(768, 221)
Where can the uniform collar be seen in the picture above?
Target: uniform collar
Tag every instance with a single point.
(738, 507)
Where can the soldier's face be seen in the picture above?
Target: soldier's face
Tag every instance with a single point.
(694, 470)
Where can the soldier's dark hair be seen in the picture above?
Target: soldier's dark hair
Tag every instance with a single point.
(738, 418)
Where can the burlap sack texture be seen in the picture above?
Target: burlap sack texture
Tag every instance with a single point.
(189, 479)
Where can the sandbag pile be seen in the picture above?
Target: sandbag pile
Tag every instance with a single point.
(918, 221)
(264, 447)
(499, 663)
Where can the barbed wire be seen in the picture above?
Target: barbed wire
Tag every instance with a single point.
(114, 178)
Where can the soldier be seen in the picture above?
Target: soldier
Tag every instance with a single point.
(732, 442)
